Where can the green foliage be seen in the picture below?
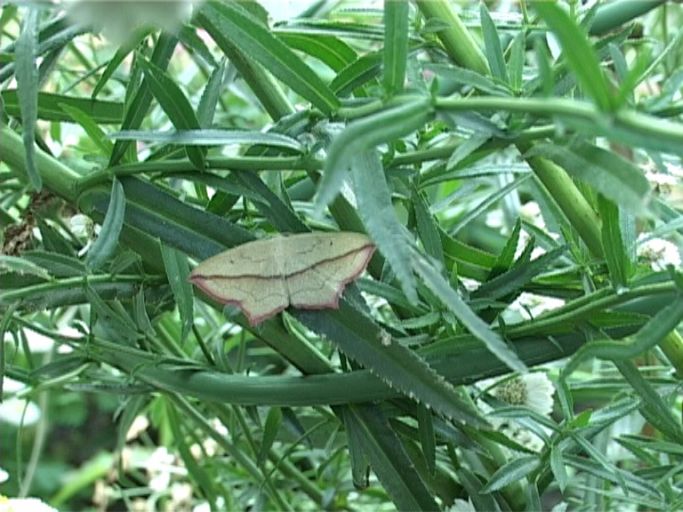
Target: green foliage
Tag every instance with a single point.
(515, 177)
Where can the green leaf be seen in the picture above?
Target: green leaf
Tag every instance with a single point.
(50, 107)
(512, 472)
(359, 136)
(507, 255)
(395, 45)
(516, 62)
(494, 52)
(462, 76)
(210, 137)
(197, 472)
(427, 227)
(450, 298)
(255, 40)
(95, 133)
(647, 337)
(27, 89)
(380, 220)
(334, 52)
(513, 280)
(21, 266)
(425, 428)
(270, 430)
(58, 265)
(107, 241)
(557, 467)
(579, 53)
(142, 96)
(614, 177)
(176, 105)
(178, 271)
(389, 460)
(357, 73)
(121, 53)
(360, 339)
(618, 262)
(210, 96)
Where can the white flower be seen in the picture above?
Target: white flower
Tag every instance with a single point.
(531, 212)
(139, 425)
(10, 385)
(38, 342)
(181, 496)
(659, 253)
(4, 476)
(17, 411)
(462, 506)
(117, 19)
(82, 226)
(160, 466)
(530, 305)
(532, 390)
(24, 505)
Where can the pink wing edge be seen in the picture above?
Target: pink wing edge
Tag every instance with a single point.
(198, 281)
(334, 303)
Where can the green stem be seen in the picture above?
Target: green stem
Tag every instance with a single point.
(456, 39)
(57, 177)
(568, 197)
(614, 14)
(672, 346)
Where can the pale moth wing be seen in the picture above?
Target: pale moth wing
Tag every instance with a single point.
(308, 271)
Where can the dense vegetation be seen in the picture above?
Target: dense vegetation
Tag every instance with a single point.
(513, 344)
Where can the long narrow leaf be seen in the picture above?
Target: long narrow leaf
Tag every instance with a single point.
(27, 88)
(450, 298)
(395, 44)
(175, 104)
(579, 53)
(380, 219)
(386, 125)
(254, 39)
(105, 245)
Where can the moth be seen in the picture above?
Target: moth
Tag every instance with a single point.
(263, 277)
